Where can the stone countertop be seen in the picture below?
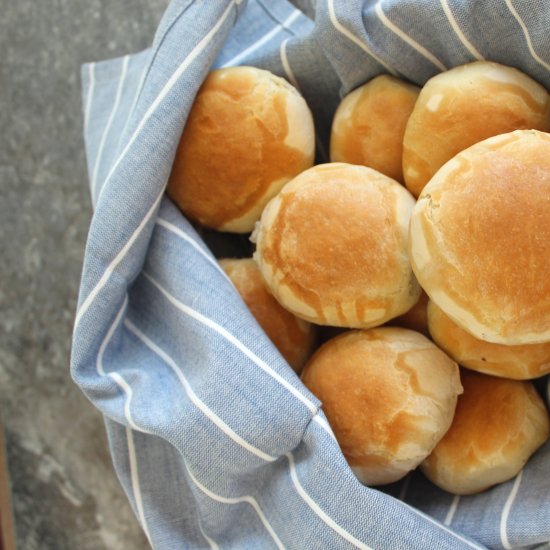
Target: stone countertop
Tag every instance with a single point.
(64, 491)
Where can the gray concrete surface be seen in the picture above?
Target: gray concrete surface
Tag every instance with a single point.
(65, 494)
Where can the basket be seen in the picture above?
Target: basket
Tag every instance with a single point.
(215, 440)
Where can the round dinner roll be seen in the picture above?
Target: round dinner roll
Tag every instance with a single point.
(389, 395)
(480, 238)
(369, 124)
(292, 336)
(248, 133)
(498, 425)
(332, 247)
(463, 106)
(520, 362)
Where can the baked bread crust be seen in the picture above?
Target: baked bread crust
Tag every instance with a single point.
(369, 125)
(520, 362)
(480, 238)
(248, 133)
(292, 336)
(463, 106)
(498, 425)
(332, 247)
(389, 394)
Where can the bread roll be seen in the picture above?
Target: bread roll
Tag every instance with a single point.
(248, 133)
(332, 247)
(519, 362)
(480, 238)
(389, 394)
(293, 337)
(369, 124)
(463, 106)
(498, 425)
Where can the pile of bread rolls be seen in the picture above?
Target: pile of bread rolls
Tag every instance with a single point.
(432, 219)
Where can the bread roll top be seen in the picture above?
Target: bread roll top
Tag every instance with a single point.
(480, 238)
(248, 133)
(332, 246)
(498, 425)
(389, 394)
(369, 125)
(463, 106)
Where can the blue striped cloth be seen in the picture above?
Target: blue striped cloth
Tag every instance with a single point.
(216, 442)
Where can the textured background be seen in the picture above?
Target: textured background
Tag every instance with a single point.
(65, 494)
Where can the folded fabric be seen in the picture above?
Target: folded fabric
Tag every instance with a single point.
(215, 440)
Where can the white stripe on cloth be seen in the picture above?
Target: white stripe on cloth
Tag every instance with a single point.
(139, 88)
(129, 394)
(158, 100)
(171, 227)
(116, 260)
(406, 38)
(452, 510)
(115, 376)
(238, 500)
(134, 476)
(189, 311)
(467, 44)
(177, 231)
(228, 431)
(347, 33)
(526, 34)
(213, 417)
(264, 39)
(133, 464)
(107, 128)
(443, 527)
(108, 336)
(506, 512)
(193, 54)
(235, 500)
(292, 79)
(318, 511)
(286, 65)
(212, 543)
(325, 425)
(91, 86)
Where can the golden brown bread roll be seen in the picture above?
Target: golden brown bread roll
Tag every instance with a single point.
(480, 238)
(293, 337)
(389, 394)
(369, 124)
(248, 133)
(519, 362)
(498, 425)
(463, 106)
(332, 246)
